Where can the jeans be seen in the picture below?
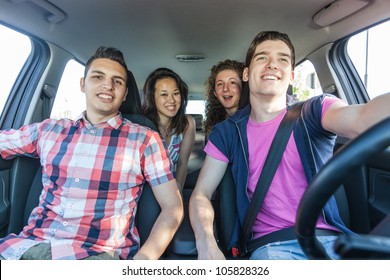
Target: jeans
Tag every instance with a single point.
(291, 250)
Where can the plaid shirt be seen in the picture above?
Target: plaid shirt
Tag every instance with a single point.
(92, 180)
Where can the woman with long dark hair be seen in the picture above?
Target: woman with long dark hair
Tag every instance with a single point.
(165, 102)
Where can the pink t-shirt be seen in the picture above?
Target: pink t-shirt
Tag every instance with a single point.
(289, 183)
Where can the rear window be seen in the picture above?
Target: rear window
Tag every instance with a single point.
(306, 83)
(70, 100)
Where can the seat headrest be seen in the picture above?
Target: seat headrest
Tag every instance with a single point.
(132, 104)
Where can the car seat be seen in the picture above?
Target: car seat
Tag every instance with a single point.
(148, 207)
(225, 211)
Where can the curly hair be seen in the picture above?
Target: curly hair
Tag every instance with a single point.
(214, 110)
(179, 122)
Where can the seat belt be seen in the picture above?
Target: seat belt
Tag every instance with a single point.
(271, 164)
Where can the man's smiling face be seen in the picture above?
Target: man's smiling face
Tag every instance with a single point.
(105, 89)
(270, 71)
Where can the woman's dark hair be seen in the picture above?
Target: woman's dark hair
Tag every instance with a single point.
(106, 52)
(179, 122)
(214, 110)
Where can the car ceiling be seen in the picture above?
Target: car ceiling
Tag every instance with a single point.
(152, 33)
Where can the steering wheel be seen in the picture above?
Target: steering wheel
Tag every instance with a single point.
(353, 155)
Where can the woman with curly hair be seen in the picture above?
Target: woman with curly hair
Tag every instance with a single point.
(223, 92)
(165, 102)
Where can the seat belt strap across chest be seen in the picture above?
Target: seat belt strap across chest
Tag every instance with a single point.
(271, 164)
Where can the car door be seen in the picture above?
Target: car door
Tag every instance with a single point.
(21, 74)
(360, 67)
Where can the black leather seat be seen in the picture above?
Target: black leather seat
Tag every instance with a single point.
(148, 207)
(225, 211)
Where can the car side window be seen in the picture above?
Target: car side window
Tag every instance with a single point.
(368, 53)
(306, 83)
(13, 54)
(69, 101)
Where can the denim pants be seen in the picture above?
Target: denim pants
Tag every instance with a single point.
(291, 250)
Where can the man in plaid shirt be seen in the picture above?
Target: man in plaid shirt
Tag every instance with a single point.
(94, 169)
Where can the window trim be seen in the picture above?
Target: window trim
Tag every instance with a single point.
(346, 73)
(21, 94)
